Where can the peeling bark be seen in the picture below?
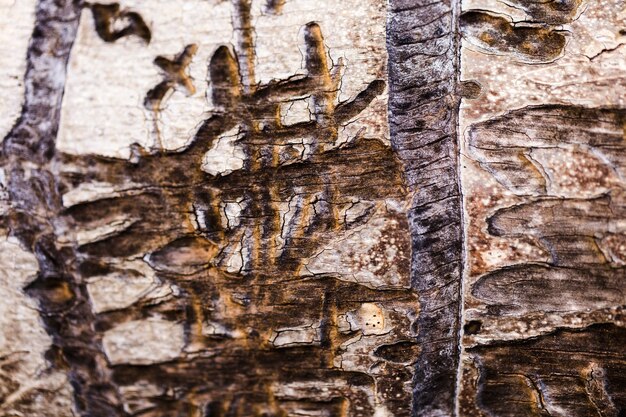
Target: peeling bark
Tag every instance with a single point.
(279, 208)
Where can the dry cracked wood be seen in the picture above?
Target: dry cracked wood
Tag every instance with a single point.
(542, 173)
(220, 208)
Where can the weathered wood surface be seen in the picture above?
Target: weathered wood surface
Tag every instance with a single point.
(423, 40)
(195, 271)
(296, 208)
(543, 145)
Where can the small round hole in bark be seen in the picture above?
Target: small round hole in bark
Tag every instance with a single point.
(472, 327)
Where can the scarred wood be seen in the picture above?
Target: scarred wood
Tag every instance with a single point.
(423, 44)
(287, 208)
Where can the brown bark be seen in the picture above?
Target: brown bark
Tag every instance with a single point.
(393, 227)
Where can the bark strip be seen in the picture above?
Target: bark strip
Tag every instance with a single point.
(422, 43)
(28, 155)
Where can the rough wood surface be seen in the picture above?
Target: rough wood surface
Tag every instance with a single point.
(544, 133)
(291, 208)
(423, 43)
(192, 276)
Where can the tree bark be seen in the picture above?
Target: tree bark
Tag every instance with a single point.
(286, 208)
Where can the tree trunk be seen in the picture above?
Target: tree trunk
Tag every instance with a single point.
(291, 208)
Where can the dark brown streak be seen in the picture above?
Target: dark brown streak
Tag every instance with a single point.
(106, 15)
(431, 172)
(28, 152)
(268, 292)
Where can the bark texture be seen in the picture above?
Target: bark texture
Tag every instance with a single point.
(286, 208)
(423, 42)
(543, 149)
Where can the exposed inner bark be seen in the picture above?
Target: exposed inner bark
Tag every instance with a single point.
(466, 270)
(259, 335)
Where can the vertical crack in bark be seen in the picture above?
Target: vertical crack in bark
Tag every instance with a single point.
(423, 45)
(28, 158)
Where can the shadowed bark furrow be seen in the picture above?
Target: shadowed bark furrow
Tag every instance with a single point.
(581, 234)
(576, 373)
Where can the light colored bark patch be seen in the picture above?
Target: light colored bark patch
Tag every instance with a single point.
(103, 109)
(95, 191)
(590, 71)
(303, 335)
(118, 291)
(143, 342)
(25, 384)
(377, 254)
(17, 19)
(225, 156)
